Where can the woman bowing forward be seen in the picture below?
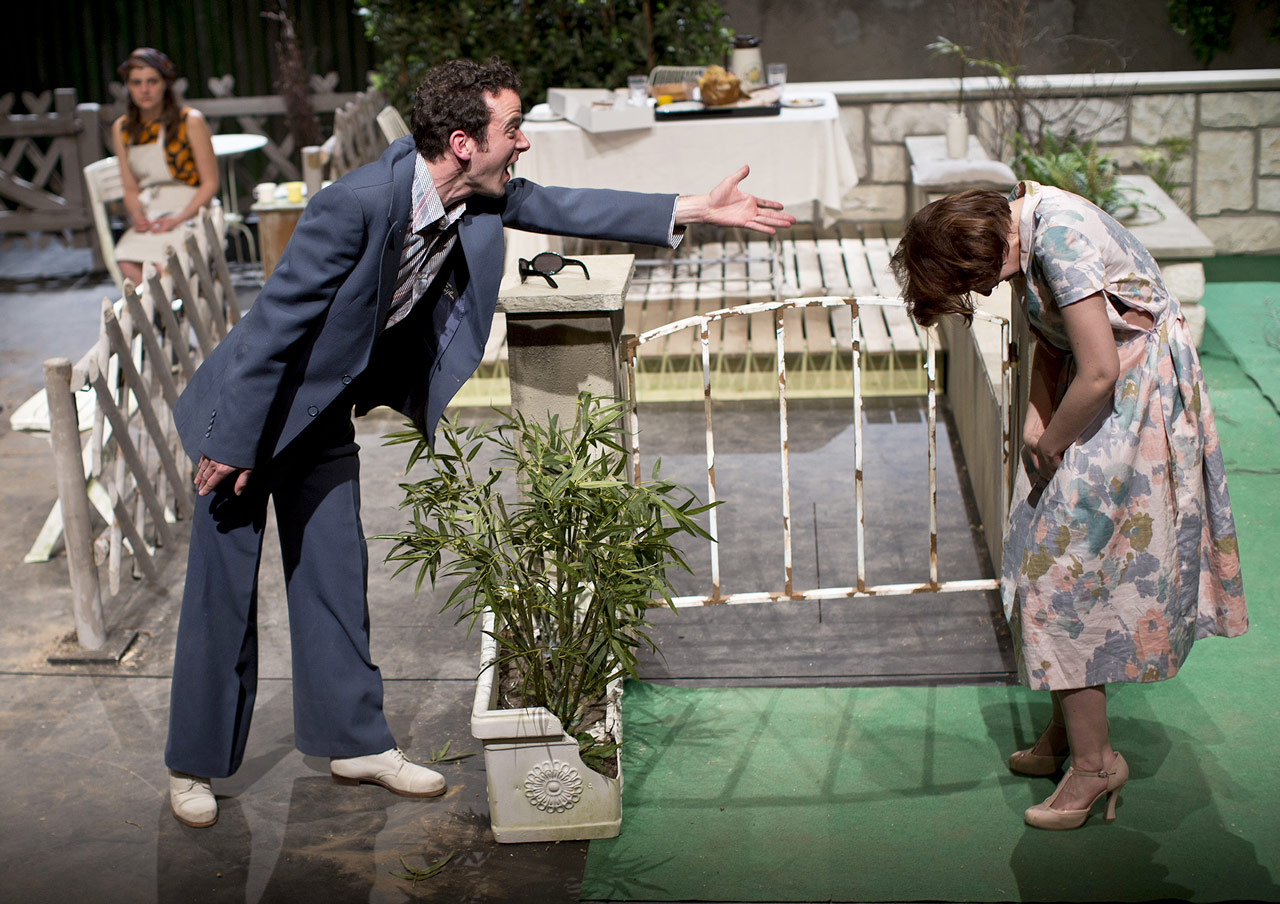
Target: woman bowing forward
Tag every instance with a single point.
(1120, 550)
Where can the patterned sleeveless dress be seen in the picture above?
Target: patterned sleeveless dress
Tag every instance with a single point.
(1129, 554)
(166, 173)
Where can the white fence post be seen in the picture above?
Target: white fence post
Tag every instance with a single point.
(73, 496)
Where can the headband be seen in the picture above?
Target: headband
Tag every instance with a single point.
(148, 56)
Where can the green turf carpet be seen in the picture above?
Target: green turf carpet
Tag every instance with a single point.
(892, 794)
(1242, 296)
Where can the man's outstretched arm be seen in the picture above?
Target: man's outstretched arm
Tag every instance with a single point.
(728, 205)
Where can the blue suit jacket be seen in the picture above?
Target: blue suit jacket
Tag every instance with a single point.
(312, 329)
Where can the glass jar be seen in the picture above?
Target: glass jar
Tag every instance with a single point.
(746, 62)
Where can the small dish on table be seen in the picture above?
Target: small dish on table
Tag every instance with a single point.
(542, 113)
(680, 106)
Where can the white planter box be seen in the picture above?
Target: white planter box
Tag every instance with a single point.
(539, 788)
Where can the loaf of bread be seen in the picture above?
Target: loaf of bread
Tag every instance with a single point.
(719, 87)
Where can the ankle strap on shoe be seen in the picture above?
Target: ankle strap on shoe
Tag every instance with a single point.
(1101, 773)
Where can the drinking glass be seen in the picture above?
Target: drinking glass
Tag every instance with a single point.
(638, 90)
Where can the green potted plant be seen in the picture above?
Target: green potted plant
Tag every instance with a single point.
(560, 577)
(1078, 167)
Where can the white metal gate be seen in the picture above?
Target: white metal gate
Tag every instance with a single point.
(702, 323)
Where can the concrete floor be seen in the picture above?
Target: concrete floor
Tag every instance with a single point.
(85, 812)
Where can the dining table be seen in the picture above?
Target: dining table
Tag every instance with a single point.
(799, 157)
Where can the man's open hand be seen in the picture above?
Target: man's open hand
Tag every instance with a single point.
(728, 205)
(210, 473)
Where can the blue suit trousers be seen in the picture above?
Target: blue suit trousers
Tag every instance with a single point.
(337, 690)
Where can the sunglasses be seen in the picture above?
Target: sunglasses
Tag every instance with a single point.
(547, 264)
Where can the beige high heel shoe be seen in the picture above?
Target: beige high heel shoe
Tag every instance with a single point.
(1025, 762)
(1042, 816)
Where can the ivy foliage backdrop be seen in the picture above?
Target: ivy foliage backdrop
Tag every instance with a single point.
(1208, 24)
(551, 43)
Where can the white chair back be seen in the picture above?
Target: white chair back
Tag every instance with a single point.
(392, 124)
(102, 178)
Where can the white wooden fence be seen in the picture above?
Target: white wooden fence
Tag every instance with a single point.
(131, 469)
(121, 491)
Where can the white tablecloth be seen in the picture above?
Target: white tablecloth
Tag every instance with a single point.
(799, 157)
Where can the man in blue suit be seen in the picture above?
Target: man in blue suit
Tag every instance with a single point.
(384, 296)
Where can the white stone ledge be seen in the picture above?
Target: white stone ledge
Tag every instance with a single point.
(1167, 232)
(975, 87)
(1185, 279)
(605, 289)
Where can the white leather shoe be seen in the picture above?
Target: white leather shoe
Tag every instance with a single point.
(192, 800)
(391, 770)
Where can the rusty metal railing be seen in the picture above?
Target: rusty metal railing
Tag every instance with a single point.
(702, 323)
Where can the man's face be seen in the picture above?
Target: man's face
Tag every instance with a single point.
(504, 142)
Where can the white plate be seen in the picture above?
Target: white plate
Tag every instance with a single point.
(802, 102)
(542, 113)
(681, 106)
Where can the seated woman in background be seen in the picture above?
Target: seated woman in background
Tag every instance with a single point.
(166, 159)
(1121, 548)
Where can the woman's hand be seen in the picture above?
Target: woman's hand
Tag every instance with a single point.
(1046, 371)
(1043, 461)
(1039, 467)
(137, 216)
(164, 224)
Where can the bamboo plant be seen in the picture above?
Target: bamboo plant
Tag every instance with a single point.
(569, 567)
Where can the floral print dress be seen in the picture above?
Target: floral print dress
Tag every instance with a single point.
(1128, 555)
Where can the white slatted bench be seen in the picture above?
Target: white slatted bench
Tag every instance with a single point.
(723, 270)
(846, 260)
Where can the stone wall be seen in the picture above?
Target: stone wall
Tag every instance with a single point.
(878, 39)
(1228, 181)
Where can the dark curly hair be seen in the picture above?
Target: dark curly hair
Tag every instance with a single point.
(951, 247)
(170, 112)
(452, 97)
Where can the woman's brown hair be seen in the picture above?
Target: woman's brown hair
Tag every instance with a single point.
(170, 113)
(951, 247)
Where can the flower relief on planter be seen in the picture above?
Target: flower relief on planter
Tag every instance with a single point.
(566, 567)
(553, 786)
